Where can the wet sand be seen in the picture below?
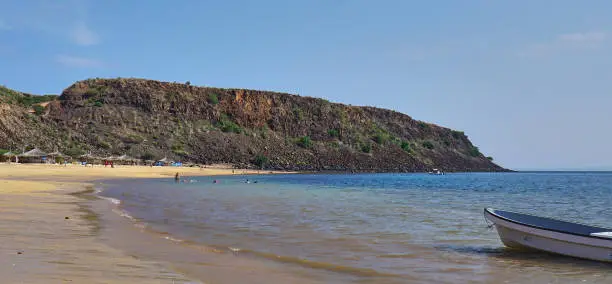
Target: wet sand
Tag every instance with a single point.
(39, 245)
(48, 234)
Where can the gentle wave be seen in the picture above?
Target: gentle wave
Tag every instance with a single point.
(173, 239)
(98, 192)
(121, 212)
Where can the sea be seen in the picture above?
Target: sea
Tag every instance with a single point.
(373, 228)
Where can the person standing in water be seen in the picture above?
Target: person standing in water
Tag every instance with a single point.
(177, 177)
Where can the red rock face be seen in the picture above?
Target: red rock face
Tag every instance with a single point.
(211, 125)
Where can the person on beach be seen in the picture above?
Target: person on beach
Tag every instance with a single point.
(177, 177)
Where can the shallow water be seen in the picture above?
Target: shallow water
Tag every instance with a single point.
(409, 228)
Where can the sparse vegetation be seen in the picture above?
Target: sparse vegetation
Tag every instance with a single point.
(423, 125)
(381, 138)
(26, 100)
(333, 133)
(304, 142)
(428, 145)
(406, 146)
(366, 148)
(298, 113)
(95, 91)
(74, 151)
(457, 134)
(381, 135)
(132, 139)
(213, 98)
(226, 125)
(489, 158)
(178, 149)
(104, 144)
(474, 151)
(261, 161)
(38, 109)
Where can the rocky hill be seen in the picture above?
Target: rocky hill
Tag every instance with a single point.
(247, 128)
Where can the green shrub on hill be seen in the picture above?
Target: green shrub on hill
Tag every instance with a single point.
(261, 161)
(428, 145)
(333, 133)
(213, 99)
(366, 148)
(474, 151)
(304, 142)
(406, 146)
(226, 125)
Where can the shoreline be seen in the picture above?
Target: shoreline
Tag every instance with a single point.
(47, 237)
(51, 235)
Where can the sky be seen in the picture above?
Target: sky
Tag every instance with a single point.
(529, 82)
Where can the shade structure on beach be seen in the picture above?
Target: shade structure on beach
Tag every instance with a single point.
(125, 158)
(89, 157)
(9, 155)
(120, 158)
(56, 154)
(110, 158)
(34, 153)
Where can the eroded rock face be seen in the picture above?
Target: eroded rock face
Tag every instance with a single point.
(243, 127)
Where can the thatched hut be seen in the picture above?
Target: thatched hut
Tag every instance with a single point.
(33, 156)
(89, 159)
(8, 156)
(58, 157)
(127, 160)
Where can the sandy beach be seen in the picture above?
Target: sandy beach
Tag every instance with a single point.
(48, 236)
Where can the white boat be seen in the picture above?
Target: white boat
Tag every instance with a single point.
(523, 231)
(436, 172)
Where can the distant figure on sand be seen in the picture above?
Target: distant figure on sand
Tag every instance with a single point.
(177, 177)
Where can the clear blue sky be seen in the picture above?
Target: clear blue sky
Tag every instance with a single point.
(529, 82)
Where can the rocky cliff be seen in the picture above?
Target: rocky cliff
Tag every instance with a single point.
(247, 128)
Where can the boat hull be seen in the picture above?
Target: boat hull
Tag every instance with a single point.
(523, 237)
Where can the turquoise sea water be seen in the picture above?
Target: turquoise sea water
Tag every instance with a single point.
(412, 227)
